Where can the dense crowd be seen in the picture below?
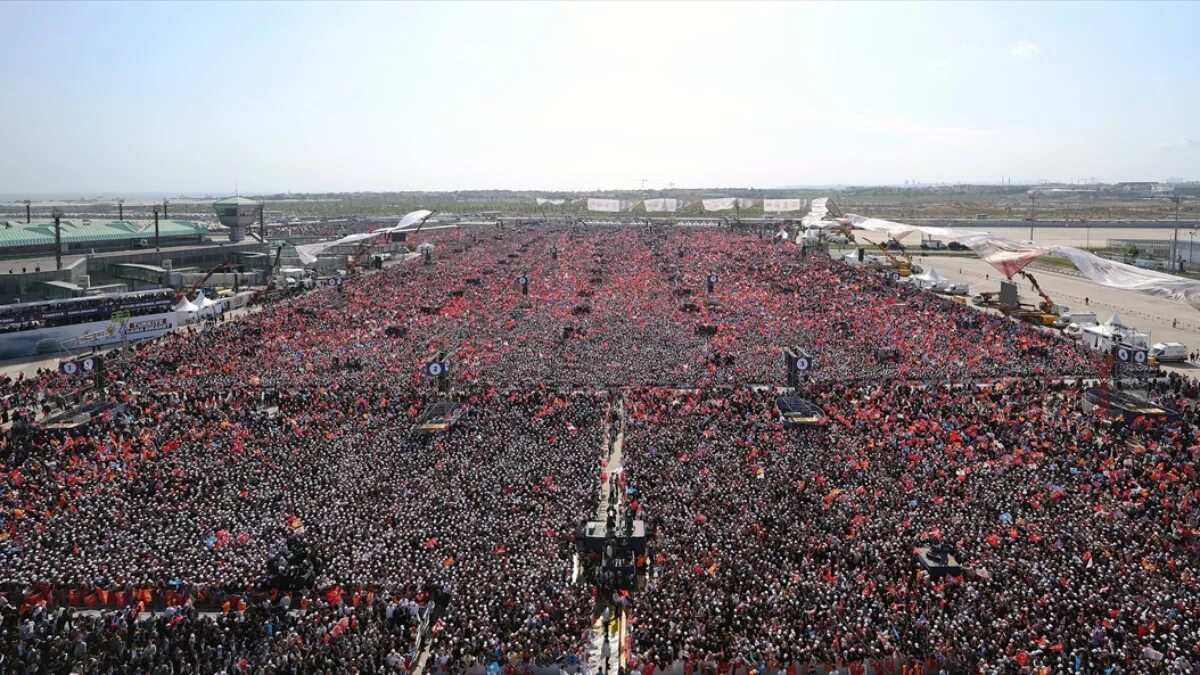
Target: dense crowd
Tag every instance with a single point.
(1077, 540)
(282, 450)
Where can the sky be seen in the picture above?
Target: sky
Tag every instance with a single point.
(185, 98)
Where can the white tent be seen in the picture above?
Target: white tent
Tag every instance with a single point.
(186, 305)
(931, 275)
(1115, 321)
(205, 305)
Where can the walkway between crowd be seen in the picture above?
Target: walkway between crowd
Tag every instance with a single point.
(610, 626)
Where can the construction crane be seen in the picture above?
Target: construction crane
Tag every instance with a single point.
(1044, 315)
(903, 267)
(228, 264)
(273, 271)
(359, 252)
(1046, 305)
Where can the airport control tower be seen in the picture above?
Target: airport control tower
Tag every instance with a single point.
(237, 213)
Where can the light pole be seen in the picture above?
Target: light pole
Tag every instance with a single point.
(1191, 245)
(1175, 242)
(1032, 212)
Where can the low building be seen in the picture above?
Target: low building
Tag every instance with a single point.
(36, 239)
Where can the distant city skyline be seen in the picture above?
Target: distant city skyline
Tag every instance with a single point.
(312, 97)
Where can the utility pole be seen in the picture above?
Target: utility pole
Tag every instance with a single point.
(27, 212)
(156, 248)
(121, 209)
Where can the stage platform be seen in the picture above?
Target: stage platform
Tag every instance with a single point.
(439, 417)
(938, 563)
(1115, 402)
(796, 412)
(591, 536)
(81, 415)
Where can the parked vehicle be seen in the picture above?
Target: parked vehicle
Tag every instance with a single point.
(1164, 352)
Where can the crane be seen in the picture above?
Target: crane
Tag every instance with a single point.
(228, 264)
(903, 267)
(1046, 305)
(359, 252)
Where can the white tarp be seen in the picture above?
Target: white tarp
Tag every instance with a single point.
(607, 205)
(308, 252)
(722, 204)
(1119, 275)
(666, 204)
(552, 202)
(781, 205)
(1011, 257)
(1004, 254)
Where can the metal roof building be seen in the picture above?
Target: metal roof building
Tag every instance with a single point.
(19, 239)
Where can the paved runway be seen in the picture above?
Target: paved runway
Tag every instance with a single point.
(1145, 313)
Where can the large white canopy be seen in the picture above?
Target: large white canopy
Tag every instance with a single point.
(186, 305)
(308, 252)
(1011, 257)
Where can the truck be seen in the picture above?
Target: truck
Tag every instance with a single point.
(1077, 321)
(294, 279)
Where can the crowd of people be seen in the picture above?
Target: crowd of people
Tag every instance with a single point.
(1077, 540)
(271, 469)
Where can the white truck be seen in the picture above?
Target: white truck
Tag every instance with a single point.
(294, 279)
(1077, 321)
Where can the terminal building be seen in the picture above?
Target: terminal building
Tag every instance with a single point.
(60, 258)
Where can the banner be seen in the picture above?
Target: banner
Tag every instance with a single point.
(722, 204)
(668, 205)
(607, 205)
(781, 205)
(727, 203)
(552, 202)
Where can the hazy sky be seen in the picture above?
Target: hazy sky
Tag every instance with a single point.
(179, 97)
